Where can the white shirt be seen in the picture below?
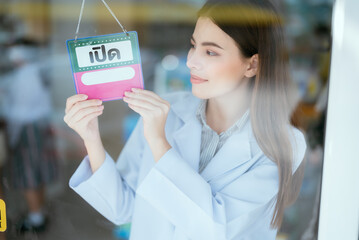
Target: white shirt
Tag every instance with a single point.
(211, 141)
(26, 98)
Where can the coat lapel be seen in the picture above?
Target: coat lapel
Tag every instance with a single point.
(234, 152)
(187, 141)
(187, 138)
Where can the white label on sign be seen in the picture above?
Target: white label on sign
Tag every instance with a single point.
(106, 53)
(108, 75)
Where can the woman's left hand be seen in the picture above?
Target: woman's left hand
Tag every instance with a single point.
(154, 111)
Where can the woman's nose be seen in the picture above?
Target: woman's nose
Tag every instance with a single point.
(193, 61)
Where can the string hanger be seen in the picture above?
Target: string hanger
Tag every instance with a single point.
(108, 8)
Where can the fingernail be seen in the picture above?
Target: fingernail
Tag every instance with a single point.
(134, 89)
(84, 96)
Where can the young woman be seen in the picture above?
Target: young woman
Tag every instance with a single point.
(219, 162)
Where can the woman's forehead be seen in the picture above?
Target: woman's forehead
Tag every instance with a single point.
(207, 31)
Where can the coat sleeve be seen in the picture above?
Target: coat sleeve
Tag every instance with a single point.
(111, 189)
(187, 200)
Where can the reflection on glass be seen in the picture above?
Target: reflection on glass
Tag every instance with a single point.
(249, 87)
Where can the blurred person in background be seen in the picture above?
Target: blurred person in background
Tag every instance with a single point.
(26, 109)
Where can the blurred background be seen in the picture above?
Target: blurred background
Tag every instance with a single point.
(32, 43)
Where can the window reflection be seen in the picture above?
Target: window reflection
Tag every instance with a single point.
(164, 29)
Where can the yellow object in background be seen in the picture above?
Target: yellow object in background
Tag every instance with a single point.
(2, 216)
(282, 236)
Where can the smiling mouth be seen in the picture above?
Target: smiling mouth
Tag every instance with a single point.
(197, 80)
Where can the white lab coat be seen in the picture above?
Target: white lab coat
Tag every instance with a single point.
(233, 198)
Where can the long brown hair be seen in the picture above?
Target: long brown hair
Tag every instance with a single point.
(256, 27)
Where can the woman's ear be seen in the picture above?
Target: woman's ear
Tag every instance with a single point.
(252, 66)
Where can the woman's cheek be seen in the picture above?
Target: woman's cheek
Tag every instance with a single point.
(222, 71)
(216, 67)
(234, 70)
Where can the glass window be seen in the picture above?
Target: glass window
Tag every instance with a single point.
(39, 153)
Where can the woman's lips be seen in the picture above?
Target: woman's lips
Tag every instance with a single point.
(197, 80)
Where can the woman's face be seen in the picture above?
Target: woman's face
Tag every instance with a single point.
(215, 62)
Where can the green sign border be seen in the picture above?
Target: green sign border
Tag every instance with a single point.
(95, 40)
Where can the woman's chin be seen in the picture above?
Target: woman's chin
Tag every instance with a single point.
(199, 93)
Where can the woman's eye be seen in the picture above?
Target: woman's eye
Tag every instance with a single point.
(210, 53)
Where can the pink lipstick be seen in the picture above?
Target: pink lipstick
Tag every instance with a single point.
(197, 80)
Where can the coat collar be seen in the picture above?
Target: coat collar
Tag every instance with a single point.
(187, 139)
(185, 105)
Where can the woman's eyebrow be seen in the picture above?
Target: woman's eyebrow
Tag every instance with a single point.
(208, 43)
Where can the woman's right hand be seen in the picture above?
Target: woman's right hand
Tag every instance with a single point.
(82, 116)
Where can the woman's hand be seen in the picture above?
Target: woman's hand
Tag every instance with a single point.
(82, 116)
(154, 111)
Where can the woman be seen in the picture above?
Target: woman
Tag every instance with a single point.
(217, 163)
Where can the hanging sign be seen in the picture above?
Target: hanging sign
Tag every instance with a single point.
(106, 66)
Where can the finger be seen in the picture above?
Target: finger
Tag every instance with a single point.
(140, 110)
(144, 97)
(156, 113)
(91, 116)
(160, 101)
(84, 112)
(81, 105)
(73, 100)
(140, 103)
(147, 93)
(153, 99)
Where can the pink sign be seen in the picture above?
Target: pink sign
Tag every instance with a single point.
(104, 67)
